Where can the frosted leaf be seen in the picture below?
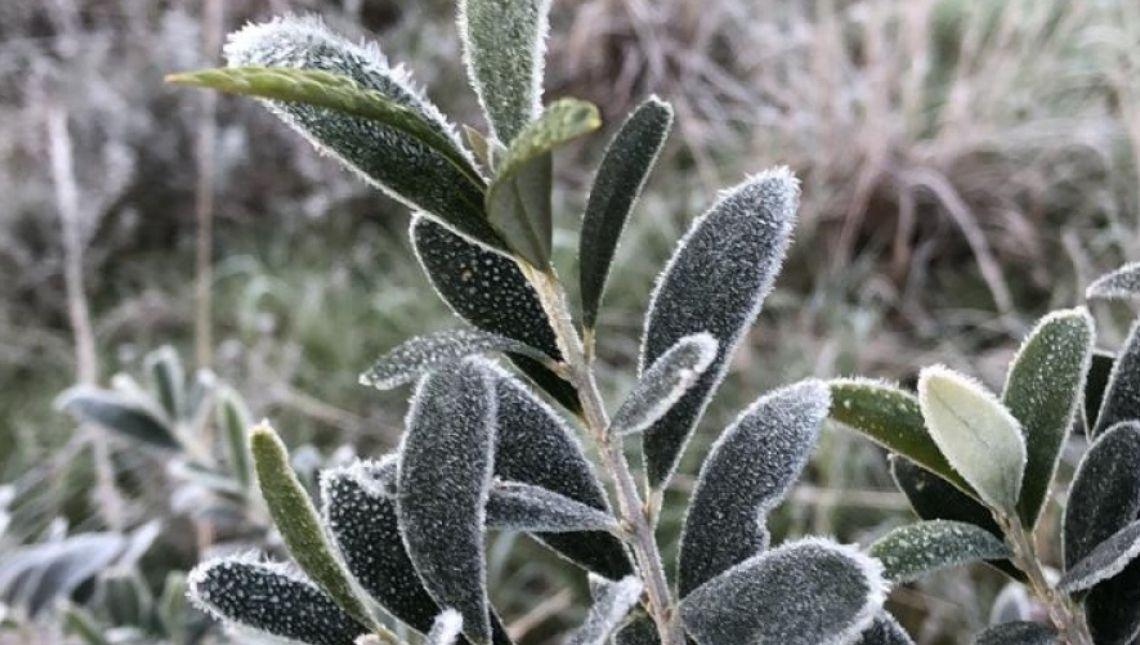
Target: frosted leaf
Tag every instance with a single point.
(892, 418)
(617, 184)
(412, 358)
(808, 592)
(133, 419)
(1012, 604)
(1105, 561)
(446, 629)
(390, 159)
(168, 378)
(536, 447)
(612, 601)
(638, 630)
(490, 292)
(1123, 283)
(1112, 607)
(271, 598)
(1042, 391)
(910, 552)
(664, 383)
(1104, 496)
(513, 506)
(35, 576)
(504, 44)
(444, 477)
(1096, 383)
(716, 282)
(746, 474)
(233, 419)
(885, 630)
(978, 436)
(1122, 396)
(1017, 633)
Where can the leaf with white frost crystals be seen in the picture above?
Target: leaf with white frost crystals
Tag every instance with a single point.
(1105, 561)
(910, 552)
(1104, 496)
(514, 506)
(444, 476)
(1122, 396)
(978, 436)
(132, 418)
(612, 601)
(446, 629)
(664, 383)
(885, 630)
(716, 282)
(808, 592)
(747, 473)
(1017, 633)
(1122, 283)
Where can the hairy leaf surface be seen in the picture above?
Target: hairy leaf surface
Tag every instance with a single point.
(910, 552)
(1122, 397)
(1096, 384)
(1105, 494)
(612, 601)
(885, 630)
(664, 383)
(412, 358)
(1105, 561)
(514, 506)
(1122, 283)
(1112, 607)
(1017, 633)
(118, 413)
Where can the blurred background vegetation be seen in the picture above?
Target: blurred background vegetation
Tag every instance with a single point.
(966, 167)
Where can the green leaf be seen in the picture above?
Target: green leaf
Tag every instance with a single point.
(1043, 390)
(893, 419)
(132, 418)
(910, 552)
(976, 434)
(1017, 633)
(1104, 496)
(664, 383)
(1123, 283)
(298, 522)
(518, 200)
(169, 380)
(1105, 561)
(618, 183)
(514, 506)
(234, 420)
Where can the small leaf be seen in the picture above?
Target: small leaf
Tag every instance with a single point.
(664, 383)
(1042, 391)
(910, 552)
(273, 599)
(1096, 383)
(1122, 397)
(518, 199)
(807, 592)
(884, 631)
(168, 379)
(1105, 561)
(612, 601)
(297, 521)
(173, 612)
(618, 183)
(513, 506)
(977, 435)
(747, 473)
(412, 358)
(1123, 283)
(893, 419)
(234, 419)
(1017, 633)
(490, 292)
(716, 282)
(446, 629)
(1105, 494)
(118, 413)
(444, 477)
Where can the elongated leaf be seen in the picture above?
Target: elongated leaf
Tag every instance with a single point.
(664, 383)
(885, 630)
(612, 601)
(446, 629)
(638, 630)
(617, 185)
(412, 358)
(298, 522)
(503, 46)
(807, 592)
(1096, 384)
(378, 147)
(490, 292)
(168, 379)
(747, 473)
(893, 419)
(1105, 494)
(910, 552)
(536, 447)
(1122, 283)
(444, 476)
(234, 420)
(1043, 390)
(513, 506)
(977, 435)
(273, 599)
(1122, 398)
(1017, 633)
(1112, 607)
(117, 413)
(1105, 561)
(715, 282)
(518, 200)
(34, 577)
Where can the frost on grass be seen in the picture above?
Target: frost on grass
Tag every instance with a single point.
(885, 630)
(716, 282)
(1123, 283)
(1122, 396)
(664, 383)
(536, 447)
(621, 175)
(412, 358)
(513, 506)
(1020, 632)
(444, 476)
(910, 552)
(392, 160)
(118, 413)
(1105, 494)
(490, 292)
(808, 592)
(273, 599)
(747, 473)
(1105, 561)
(978, 436)
(446, 629)
(611, 602)
(1043, 390)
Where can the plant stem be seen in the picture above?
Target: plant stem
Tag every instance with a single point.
(630, 506)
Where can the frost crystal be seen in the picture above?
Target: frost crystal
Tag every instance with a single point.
(663, 384)
(1105, 494)
(911, 551)
(1122, 396)
(1122, 283)
(446, 629)
(1106, 560)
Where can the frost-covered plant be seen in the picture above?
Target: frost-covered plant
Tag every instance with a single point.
(401, 538)
(978, 469)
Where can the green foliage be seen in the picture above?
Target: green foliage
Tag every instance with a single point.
(664, 383)
(910, 552)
